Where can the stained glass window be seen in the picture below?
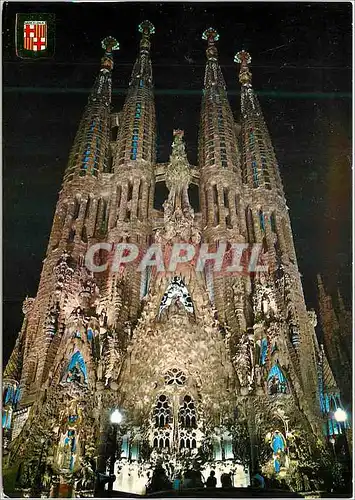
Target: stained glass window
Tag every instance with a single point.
(161, 439)
(162, 411)
(187, 440)
(187, 412)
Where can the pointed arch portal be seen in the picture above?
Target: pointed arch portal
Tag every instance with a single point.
(176, 292)
(276, 380)
(76, 370)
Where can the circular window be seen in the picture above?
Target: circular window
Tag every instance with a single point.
(175, 376)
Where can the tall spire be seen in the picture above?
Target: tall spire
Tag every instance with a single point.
(137, 138)
(218, 133)
(260, 167)
(213, 73)
(337, 338)
(142, 69)
(103, 83)
(89, 153)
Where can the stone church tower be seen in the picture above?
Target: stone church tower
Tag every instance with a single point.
(336, 324)
(208, 370)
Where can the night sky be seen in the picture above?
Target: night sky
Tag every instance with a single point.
(301, 69)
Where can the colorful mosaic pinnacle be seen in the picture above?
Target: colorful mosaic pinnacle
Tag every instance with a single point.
(243, 58)
(109, 44)
(211, 35)
(147, 28)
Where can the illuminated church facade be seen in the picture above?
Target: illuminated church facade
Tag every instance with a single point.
(208, 370)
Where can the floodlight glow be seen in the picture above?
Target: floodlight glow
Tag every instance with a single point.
(340, 415)
(116, 417)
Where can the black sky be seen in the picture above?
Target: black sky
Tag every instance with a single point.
(301, 68)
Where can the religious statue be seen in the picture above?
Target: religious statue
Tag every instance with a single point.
(242, 364)
(278, 445)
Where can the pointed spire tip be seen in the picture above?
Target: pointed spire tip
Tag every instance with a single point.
(109, 44)
(211, 35)
(244, 58)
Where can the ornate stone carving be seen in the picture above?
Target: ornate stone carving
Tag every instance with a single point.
(238, 300)
(178, 175)
(265, 307)
(122, 355)
(27, 305)
(179, 217)
(113, 360)
(52, 320)
(242, 364)
(63, 272)
(312, 317)
(89, 292)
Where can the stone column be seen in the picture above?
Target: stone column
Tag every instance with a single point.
(221, 209)
(113, 210)
(143, 202)
(256, 224)
(134, 201)
(123, 204)
(80, 221)
(210, 205)
(232, 208)
(91, 222)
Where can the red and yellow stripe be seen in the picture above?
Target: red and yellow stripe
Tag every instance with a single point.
(39, 31)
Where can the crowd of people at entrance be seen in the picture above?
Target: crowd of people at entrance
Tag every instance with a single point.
(159, 481)
(190, 479)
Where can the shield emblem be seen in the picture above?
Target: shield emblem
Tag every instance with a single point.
(35, 35)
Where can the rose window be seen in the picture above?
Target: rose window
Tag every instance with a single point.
(175, 376)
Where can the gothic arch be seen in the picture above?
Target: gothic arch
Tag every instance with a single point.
(187, 413)
(176, 293)
(76, 370)
(162, 411)
(276, 381)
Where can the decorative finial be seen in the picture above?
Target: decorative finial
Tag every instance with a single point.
(179, 133)
(243, 58)
(109, 44)
(211, 35)
(147, 29)
(178, 174)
